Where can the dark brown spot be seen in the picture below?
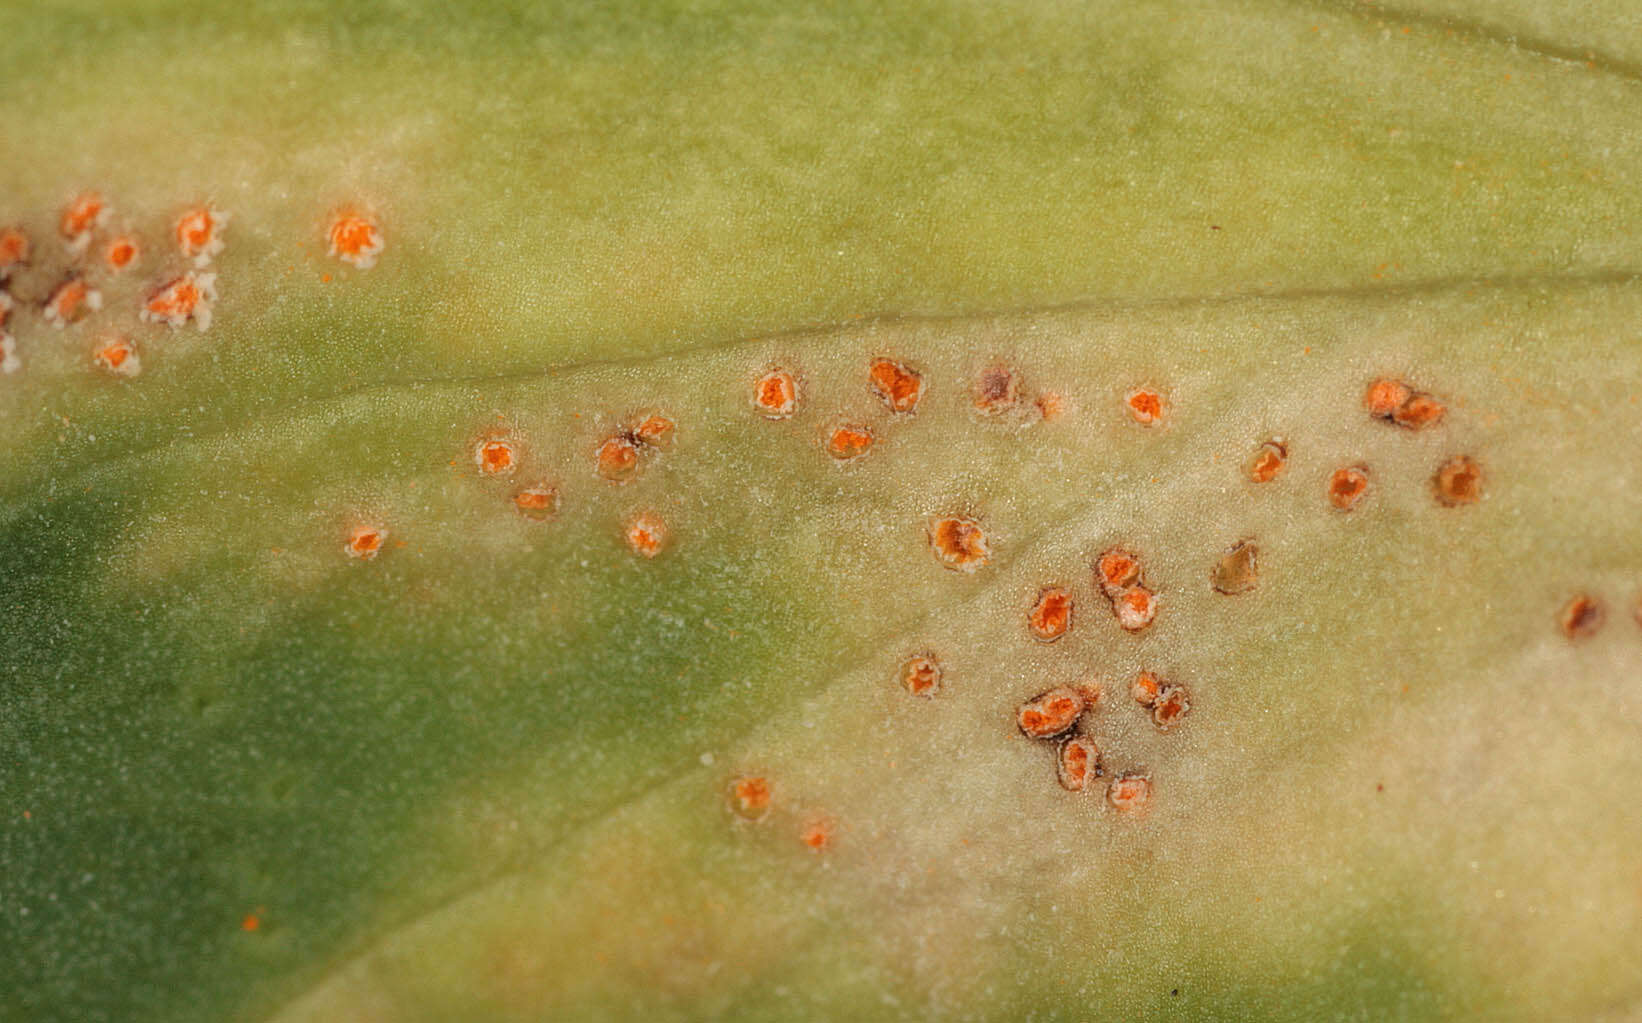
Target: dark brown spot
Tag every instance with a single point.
(1237, 570)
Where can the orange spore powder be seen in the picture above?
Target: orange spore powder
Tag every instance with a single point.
(1269, 462)
(121, 253)
(1131, 793)
(922, 675)
(959, 543)
(848, 442)
(355, 239)
(618, 459)
(1051, 713)
(898, 385)
(775, 394)
(750, 797)
(1116, 570)
(647, 534)
(1078, 763)
(1051, 615)
(1346, 487)
(1135, 608)
(495, 457)
(655, 431)
(365, 541)
(1145, 407)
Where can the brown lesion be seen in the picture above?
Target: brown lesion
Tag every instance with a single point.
(959, 543)
(1458, 481)
(900, 386)
(1347, 487)
(1237, 570)
(1051, 614)
(996, 390)
(1581, 617)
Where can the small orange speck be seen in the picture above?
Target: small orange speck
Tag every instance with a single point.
(14, 250)
(1385, 396)
(848, 442)
(1146, 407)
(1050, 405)
(1116, 570)
(1171, 706)
(1581, 617)
(900, 386)
(1051, 713)
(1270, 459)
(70, 301)
(1458, 481)
(618, 459)
(87, 212)
(816, 833)
(655, 431)
(177, 301)
(122, 253)
(1051, 615)
(1346, 487)
(199, 233)
(1145, 688)
(119, 356)
(959, 544)
(365, 541)
(996, 390)
(647, 534)
(1078, 763)
(325, 278)
(775, 394)
(750, 797)
(1131, 793)
(252, 922)
(355, 239)
(495, 457)
(538, 502)
(922, 675)
(1135, 608)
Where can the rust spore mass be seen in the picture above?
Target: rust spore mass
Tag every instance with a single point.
(1145, 407)
(537, 502)
(364, 542)
(1347, 487)
(618, 459)
(1052, 713)
(495, 457)
(1394, 401)
(1237, 571)
(1581, 617)
(899, 386)
(959, 543)
(655, 431)
(1171, 706)
(921, 675)
(1131, 793)
(849, 442)
(750, 797)
(1269, 461)
(1051, 614)
(1116, 570)
(775, 394)
(647, 534)
(1135, 608)
(1145, 688)
(1077, 763)
(1458, 481)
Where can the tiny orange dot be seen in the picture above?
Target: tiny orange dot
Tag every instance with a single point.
(1146, 407)
(647, 534)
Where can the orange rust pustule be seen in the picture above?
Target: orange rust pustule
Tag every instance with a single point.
(1131, 793)
(1050, 406)
(1269, 461)
(996, 390)
(181, 299)
(495, 457)
(921, 675)
(80, 217)
(655, 431)
(14, 250)
(647, 534)
(775, 394)
(1458, 481)
(750, 797)
(364, 542)
(199, 234)
(848, 442)
(1116, 570)
(1145, 407)
(1051, 713)
(1347, 487)
(1237, 570)
(899, 386)
(1145, 688)
(1419, 411)
(70, 301)
(617, 459)
(1135, 608)
(1050, 617)
(122, 253)
(1581, 617)
(1078, 763)
(1385, 396)
(118, 356)
(1171, 706)
(817, 833)
(538, 502)
(356, 239)
(959, 543)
